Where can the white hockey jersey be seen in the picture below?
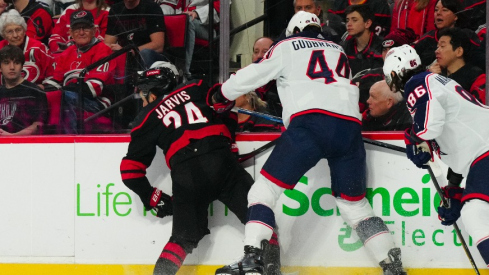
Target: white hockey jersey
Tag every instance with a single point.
(313, 75)
(442, 110)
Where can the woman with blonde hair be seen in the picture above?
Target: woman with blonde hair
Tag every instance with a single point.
(60, 38)
(247, 123)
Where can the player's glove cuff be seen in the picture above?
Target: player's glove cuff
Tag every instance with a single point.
(450, 214)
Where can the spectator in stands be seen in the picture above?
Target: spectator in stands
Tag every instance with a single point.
(3, 6)
(60, 39)
(363, 48)
(453, 49)
(260, 47)
(417, 15)
(268, 92)
(39, 20)
(387, 111)
(448, 15)
(23, 104)
(475, 11)
(85, 51)
(381, 22)
(38, 62)
(332, 25)
(198, 22)
(366, 79)
(169, 6)
(138, 22)
(247, 123)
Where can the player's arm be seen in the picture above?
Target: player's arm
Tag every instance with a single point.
(256, 75)
(140, 154)
(429, 114)
(157, 42)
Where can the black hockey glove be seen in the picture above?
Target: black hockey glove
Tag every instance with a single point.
(449, 215)
(216, 99)
(161, 203)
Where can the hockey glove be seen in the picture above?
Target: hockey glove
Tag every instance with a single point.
(449, 215)
(220, 103)
(161, 203)
(418, 157)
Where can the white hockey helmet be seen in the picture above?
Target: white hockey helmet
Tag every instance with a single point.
(300, 20)
(398, 62)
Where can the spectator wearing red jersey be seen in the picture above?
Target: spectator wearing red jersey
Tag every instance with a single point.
(39, 20)
(38, 61)
(61, 39)
(417, 15)
(85, 51)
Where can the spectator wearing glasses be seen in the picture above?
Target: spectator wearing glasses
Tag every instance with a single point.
(86, 50)
(39, 21)
(60, 39)
(38, 61)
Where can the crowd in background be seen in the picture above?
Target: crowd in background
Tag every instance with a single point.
(59, 39)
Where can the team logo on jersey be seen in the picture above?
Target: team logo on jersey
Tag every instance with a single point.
(31, 72)
(130, 36)
(388, 43)
(80, 14)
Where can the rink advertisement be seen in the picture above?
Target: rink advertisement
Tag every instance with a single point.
(64, 202)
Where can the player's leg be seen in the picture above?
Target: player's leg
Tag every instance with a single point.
(348, 179)
(475, 210)
(294, 154)
(234, 195)
(190, 203)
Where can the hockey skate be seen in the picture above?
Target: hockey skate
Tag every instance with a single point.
(394, 267)
(250, 264)
(271, 258)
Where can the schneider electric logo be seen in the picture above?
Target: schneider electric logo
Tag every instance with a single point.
(413, 206)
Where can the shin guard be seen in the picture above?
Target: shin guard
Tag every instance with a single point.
(375, 237)
(170, 260)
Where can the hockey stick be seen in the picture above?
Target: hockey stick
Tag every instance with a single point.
(247, 156)
(258, 114)
(436, 176)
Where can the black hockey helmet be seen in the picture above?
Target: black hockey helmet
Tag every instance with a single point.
(159, 80)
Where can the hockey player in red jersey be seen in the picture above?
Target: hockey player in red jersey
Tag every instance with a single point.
(197, 148)
(451, 121)
(320, 111)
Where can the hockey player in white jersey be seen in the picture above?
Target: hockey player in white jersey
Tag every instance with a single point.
(321, 113)
(451, 121)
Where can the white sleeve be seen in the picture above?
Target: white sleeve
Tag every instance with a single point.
(256, 75)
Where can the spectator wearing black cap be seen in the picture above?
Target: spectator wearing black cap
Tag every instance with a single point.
(86, 50)
(365, 79)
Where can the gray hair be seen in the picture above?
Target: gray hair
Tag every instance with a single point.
(386, 92)
(11, 17)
